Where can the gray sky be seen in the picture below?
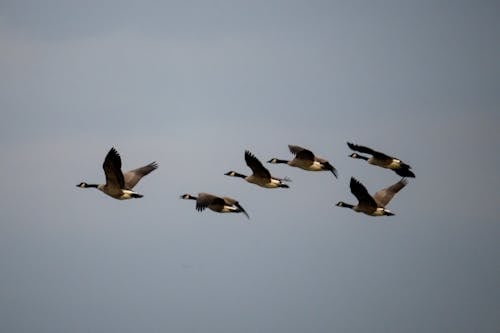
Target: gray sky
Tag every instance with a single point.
(192, 84)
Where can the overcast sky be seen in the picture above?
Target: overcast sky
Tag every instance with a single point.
(192, 84)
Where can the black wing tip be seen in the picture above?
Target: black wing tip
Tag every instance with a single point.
(406, 172)
(114, 156)
(113, 151)
(291, 149)
(331, 168)
(356, 186)
(200, 208)
(249, 156)
(154, 165)
(242, 210)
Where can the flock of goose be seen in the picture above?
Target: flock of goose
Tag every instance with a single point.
(119, 185)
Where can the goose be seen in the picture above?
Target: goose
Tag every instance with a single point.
(215, 203)
(119, 185)
(305, 159)
(372, 205)
(260, 176)
(382, 160)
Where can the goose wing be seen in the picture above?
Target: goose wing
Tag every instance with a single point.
(205, 199)
(132, 177)
(257, 168)
(385, 195)
(404, 171)
(302, 153)
(366, 150)
(361, 193)
(112, 169)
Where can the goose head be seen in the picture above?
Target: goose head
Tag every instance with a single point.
(234, 174)
(356, 155)
(85, 185)
(343, 204)
(277, 161)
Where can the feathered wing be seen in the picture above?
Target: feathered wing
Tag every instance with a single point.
(302, 153)
(385, 195)
(404, 171)
(205, 199)
(112, 169)
(132, 177)
(257, 168)
(361, 193)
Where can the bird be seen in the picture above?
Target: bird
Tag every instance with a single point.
(119, 185)
(305, 159)
(372, 205)
(260, 176)
(382, 160)
(215, 203)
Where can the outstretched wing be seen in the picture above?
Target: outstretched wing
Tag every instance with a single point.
(385, 195)
(112, 169)
(404, 171)
(257, 168)
(361, 193)
(132, 177)
(301, 153)
(205, 199)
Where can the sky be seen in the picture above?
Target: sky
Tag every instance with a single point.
(192, 85)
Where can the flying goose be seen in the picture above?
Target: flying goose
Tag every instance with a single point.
(382, 160)
(306, 160)
(215, 203)
(260, 176)
(119, 185)
(372, 205)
